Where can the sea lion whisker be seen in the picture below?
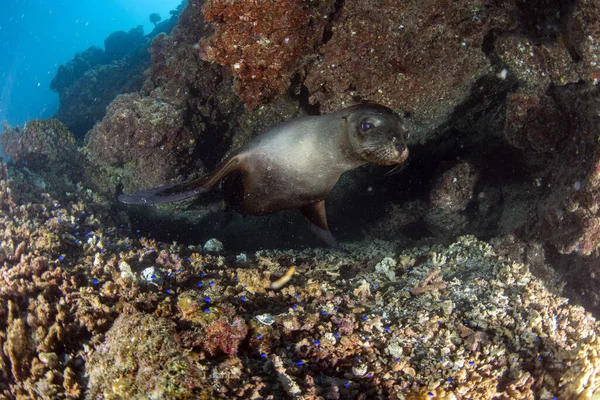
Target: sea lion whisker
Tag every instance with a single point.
(397, 169)
(369, 149)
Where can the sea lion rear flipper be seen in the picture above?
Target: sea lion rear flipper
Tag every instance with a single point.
(181, 191)
(317, 217)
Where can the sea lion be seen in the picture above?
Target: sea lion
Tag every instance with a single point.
(296, 164)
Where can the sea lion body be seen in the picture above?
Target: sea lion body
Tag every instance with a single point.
(296, 164)
(281, 169)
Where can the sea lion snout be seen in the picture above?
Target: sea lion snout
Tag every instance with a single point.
(402, 153)
(399, 145)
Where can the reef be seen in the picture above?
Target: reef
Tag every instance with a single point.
(472, 274)
(509, 91)
(421, 58)
(156, 131)
(263, 43)
(91, 309)
(93, 78)
(89, 82)
(176, 125)
(39, 142)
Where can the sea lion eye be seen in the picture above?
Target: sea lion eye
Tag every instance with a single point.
(365, 126)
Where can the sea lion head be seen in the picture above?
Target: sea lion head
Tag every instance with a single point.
(376, 134)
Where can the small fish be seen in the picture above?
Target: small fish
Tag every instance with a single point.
(279, 283)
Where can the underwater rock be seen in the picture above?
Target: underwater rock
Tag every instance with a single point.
(83, 61)
(558, 131)
(213, 246)
(444, 223)
(47, 151)
(582, 35)
(417, 57)
(119, 43)
(262, 44)
(93, 78)
(83, 102)
(553, 117)
(425, 64)
(39, 145)
(453, 189)
(144, 135)
(180, 119)
(536, 65)
(89, 82)
(535, 122)
(140, 357)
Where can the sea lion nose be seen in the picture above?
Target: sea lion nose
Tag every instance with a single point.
(400, 146)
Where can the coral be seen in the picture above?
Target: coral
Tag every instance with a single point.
(191, 307)
(431, 283)
(18, 348)
(42, 305)
(262, 43)
(140, 358)
(582, 380)
(40, 144)
(73, 304)
(254, 281)
(213, 329)
(225, 336)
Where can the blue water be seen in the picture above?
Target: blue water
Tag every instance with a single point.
(36, 36)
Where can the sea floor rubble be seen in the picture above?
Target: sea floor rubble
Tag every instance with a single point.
(91, 309)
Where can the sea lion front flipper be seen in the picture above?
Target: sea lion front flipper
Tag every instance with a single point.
(181, 191)
(317, 217)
